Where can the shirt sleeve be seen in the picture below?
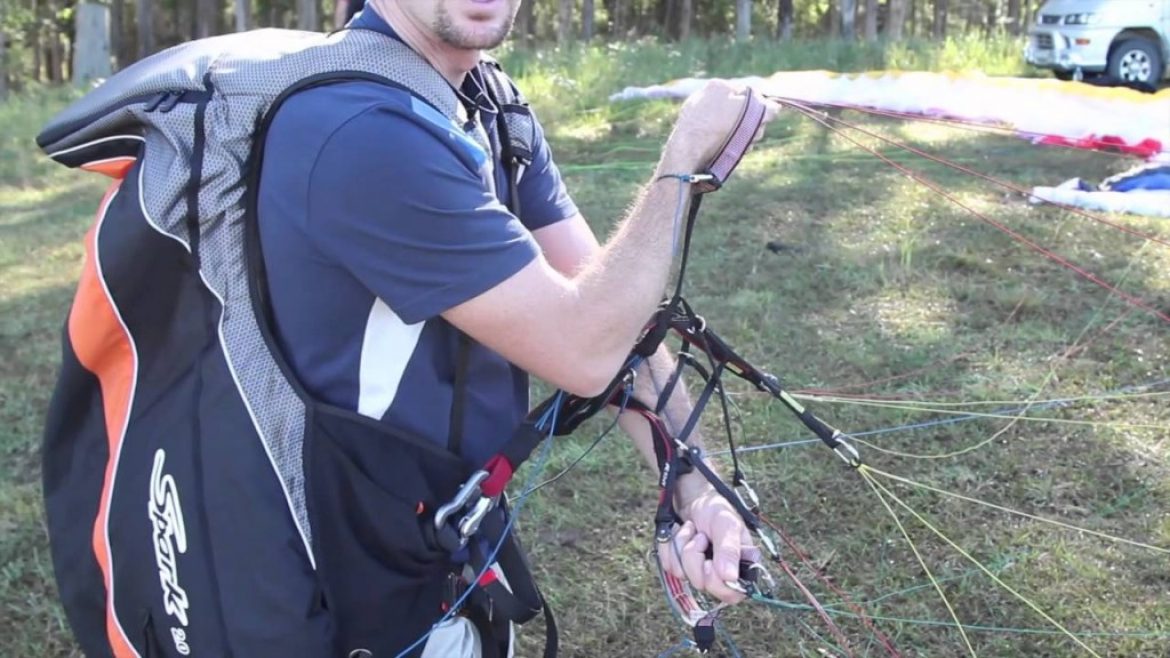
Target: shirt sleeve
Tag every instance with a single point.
(400, 200)
(544, 200)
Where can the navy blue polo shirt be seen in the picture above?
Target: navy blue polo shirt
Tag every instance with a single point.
(376, 214)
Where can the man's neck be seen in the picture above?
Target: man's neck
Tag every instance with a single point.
(452, 63)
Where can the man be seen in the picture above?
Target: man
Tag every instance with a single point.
(386, 235)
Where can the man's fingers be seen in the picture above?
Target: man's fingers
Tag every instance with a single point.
(693, 557)
(727, 532)
(747, 547)
(669, 553)
(719, 589)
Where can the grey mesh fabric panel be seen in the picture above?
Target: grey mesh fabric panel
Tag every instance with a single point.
(247, 72)
(521, 131)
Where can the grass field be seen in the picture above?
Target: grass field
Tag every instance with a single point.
(829, 268)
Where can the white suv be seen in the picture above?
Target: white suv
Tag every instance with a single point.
(1127, 40)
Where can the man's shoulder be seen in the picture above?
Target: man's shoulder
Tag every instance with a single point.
(321, 110)
(361, 115)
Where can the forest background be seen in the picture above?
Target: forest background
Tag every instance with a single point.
(38, 37)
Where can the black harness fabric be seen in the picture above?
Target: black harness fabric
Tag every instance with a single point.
(207, 559)
(372, 493)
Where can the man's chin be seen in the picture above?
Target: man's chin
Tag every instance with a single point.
(484, 38)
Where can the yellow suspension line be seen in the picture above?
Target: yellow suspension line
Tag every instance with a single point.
(982, 568)
(1069, 526)
(937, 587)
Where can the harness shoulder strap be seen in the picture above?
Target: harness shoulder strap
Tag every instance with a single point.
(515, 125)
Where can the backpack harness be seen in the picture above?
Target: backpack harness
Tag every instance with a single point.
(199, 501)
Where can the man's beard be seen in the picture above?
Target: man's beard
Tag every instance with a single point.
(446, 31)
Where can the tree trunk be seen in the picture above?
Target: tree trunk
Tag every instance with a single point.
(54, 52)
(848, 14)
(587, 16)
(144, 16)
(939, 28)
(974, 15)
(306, 15)
(992, 17)
(871, 20)
(1013, 16)
(34, 41)
(686, 16)
(784, 11)
(620, 14)
(895, 18)
(185, 18)
(564, 22)
(244, 15)
(3, 66)
(523, 28)
(56, 55)
(117, 40)
(91, 53)
(743, 19)
(205, 18)
(666, 12)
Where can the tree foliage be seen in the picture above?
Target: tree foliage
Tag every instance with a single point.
(38, 34)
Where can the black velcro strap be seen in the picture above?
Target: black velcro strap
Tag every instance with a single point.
(520, 446)
(701, 404)
(683, 357)
(704, 636)
(552, 637)
(656, 332)
(749, 518)
(523, 601)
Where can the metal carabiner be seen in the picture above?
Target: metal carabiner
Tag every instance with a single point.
(769, 545)
(752, 503)
(847, 453)
(469, 524)
(469, 490)
(750, 576)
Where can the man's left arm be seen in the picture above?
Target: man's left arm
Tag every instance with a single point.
(711, 521)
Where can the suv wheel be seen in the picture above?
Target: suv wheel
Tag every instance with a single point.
(1136, 60)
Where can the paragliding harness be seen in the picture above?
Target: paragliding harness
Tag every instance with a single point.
(674, 455)
(199, 500)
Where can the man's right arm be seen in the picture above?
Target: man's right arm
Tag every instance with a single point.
(575, 332)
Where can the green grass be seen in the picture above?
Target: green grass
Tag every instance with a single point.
(871, 277)
(44, 209)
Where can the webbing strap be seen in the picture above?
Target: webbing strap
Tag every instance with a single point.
(520, 601)
(512, 152)
(737, 144)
